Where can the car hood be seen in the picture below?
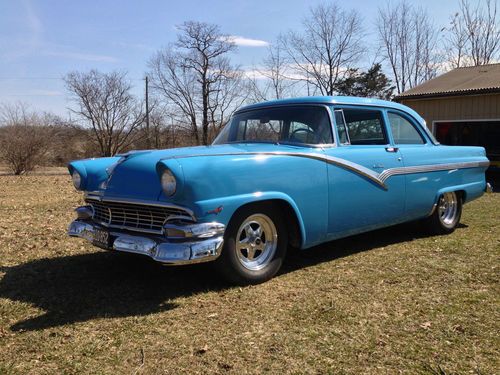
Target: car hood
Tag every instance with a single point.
(135, 175)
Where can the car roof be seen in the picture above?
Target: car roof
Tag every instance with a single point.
(342, 100)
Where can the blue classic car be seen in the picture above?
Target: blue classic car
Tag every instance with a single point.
(294, 172)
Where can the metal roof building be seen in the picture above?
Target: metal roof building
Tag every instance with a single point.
(461, 107)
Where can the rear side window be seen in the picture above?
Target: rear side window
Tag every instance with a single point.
(365, 127)
(403, 131)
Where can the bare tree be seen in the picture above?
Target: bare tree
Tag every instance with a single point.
(177, 86)
(328, 46)
(195, 76)
(273, 80)
(227, 94)
(104, 101)
(205, 54)
(164, 130)
(456, 40)
(25, 137)
(473, 37)
(408, 39)
(158, 124)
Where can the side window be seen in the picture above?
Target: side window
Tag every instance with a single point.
(403, 132)
(339, 120)
(365, 127)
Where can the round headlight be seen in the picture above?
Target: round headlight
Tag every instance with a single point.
(168, 182)
(77, 180)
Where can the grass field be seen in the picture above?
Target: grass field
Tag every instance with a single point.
(390, 301)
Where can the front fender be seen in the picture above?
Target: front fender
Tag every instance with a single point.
(92, 171)
(222, 209)
(232, 180)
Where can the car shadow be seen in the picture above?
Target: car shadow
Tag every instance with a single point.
(356, 244)
(82, 287)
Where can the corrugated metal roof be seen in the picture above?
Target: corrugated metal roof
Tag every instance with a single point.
(467, 80)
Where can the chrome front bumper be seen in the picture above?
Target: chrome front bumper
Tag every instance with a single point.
(199, 242)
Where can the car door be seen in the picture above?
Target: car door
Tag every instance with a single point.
(359, 200)
(416, 150)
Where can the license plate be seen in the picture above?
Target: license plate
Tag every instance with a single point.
(102, 239)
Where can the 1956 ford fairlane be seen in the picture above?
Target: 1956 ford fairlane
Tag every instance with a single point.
(294, 172)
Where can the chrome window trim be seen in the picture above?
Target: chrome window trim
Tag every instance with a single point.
(327, 107)
(328, 104)
(348, 143)
(333, 103)
(385, 130)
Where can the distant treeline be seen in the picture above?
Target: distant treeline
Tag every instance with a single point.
(194, 87)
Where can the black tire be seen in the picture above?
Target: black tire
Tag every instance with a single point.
(231, 261)
(444, 220)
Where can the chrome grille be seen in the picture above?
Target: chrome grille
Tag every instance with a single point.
(133, 216)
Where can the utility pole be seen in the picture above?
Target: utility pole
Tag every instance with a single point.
(148, 139)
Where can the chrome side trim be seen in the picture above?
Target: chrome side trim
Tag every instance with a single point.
(342, 163)
(384, 175)
(378, 178)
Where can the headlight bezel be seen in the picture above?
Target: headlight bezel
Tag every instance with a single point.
(168, 182)
(77, 179)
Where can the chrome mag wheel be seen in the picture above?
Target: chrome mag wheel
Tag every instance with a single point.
(256, 242)
(448, 209)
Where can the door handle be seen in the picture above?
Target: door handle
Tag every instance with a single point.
(391, 149)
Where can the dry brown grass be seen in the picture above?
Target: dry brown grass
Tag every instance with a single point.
(390, 301)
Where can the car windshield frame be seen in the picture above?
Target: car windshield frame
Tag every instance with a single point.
(323, 107)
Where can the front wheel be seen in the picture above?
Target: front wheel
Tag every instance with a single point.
(255, 245)
(446, 216)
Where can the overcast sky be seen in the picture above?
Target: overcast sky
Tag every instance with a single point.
(41, 40)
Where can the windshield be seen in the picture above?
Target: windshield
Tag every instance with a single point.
(297, 124)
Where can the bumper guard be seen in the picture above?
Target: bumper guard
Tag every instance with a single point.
(182, 244)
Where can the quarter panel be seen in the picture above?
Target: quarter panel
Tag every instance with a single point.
(423, 189)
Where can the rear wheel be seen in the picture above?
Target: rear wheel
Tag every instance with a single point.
(255, 245)
(446, 216)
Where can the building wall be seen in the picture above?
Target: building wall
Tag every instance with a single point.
(465, 107)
